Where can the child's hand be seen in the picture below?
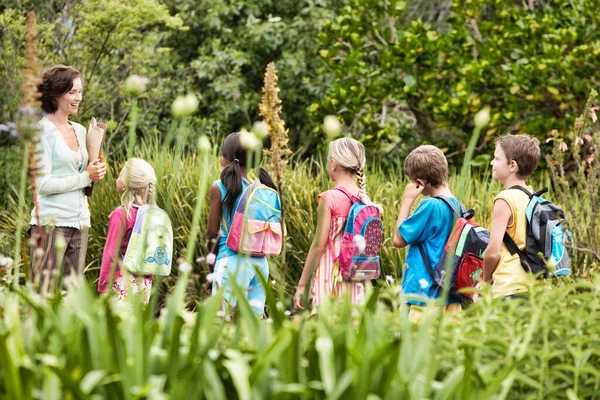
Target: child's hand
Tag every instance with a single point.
(413, 190)
(298, 298)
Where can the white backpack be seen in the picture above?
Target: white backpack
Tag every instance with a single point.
(150, 248)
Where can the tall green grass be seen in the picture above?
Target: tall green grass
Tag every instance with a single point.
(80, 346)
(178, 188)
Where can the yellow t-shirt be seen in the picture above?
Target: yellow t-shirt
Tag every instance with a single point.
(509, 276)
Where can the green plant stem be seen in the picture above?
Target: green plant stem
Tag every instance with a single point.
(132, 127)
(189, 254)
(20, 209)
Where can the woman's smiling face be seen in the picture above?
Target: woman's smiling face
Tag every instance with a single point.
(68, 103)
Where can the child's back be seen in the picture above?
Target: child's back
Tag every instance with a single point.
(326, 280)
(429, 227)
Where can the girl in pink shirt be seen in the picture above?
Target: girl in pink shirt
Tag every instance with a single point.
(136, 184)
(346, 168)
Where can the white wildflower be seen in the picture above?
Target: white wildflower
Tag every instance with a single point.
(249, 141)
(332, 126)
(482, 118)
(204, 143)
(184, 105)
(261, 129)
(389, 279)
(213, 354)
(210, 277)
(135, 85)
(185, 267)
(211, 258)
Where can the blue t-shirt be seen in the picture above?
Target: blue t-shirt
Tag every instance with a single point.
(430, 225)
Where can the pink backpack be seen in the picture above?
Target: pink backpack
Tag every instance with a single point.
(361, 243)
(256, 228)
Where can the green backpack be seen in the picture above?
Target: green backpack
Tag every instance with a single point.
(150, 248)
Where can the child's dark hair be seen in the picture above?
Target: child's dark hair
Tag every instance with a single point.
(231, 176)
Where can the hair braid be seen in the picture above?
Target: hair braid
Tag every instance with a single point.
(362, 186)
(151, 193)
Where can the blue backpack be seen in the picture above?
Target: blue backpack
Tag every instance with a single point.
(545, 250)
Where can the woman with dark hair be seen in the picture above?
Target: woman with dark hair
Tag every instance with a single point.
(62, 210)
(224, 196)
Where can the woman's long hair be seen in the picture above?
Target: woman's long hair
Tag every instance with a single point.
(231, 176)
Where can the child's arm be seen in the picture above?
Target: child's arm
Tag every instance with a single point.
(411, 192)
(214, 222)
(317, 248)
(116, 231)
(501, 216)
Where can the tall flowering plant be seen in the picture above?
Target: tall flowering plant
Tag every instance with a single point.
(277, 156)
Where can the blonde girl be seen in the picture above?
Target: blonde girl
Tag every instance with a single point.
(346, 168)
(136, 184)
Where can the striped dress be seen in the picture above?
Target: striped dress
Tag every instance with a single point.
(325, 280)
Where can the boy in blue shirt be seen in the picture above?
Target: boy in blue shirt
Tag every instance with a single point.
(429, 226)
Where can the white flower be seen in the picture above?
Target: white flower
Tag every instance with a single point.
(38, 253)
(204, 143)
(482, 117)
(135, 85)
(211, 258)
(332, 126)
(213, 354)
(360, 243)
(210, 277)
(261, 129)
(423, 283)
(287, 313)
(184, 105)
(221, 313)
(249, 141)
(185, 267)
(60, 243)
(389, 279)
(5, 261)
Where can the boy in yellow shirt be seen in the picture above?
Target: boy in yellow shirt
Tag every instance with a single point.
(516, 157)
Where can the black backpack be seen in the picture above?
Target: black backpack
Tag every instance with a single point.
(545, 251)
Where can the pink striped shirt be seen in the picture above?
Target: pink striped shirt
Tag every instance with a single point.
(324, 281)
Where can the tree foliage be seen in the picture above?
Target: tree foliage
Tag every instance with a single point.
(400, 84)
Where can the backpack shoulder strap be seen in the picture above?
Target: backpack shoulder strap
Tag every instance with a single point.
(522, 189)
(426, 261)
(342, 189)
(452, 206)
(514, 249)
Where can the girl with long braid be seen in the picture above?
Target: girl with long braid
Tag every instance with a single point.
(346, 168)
(136, 184)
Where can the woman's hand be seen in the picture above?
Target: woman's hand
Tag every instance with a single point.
(298, 298)
(96, 169)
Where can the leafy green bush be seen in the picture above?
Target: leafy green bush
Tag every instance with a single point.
(401, 80)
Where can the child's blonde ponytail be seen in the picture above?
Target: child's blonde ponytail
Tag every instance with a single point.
(140, 181)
